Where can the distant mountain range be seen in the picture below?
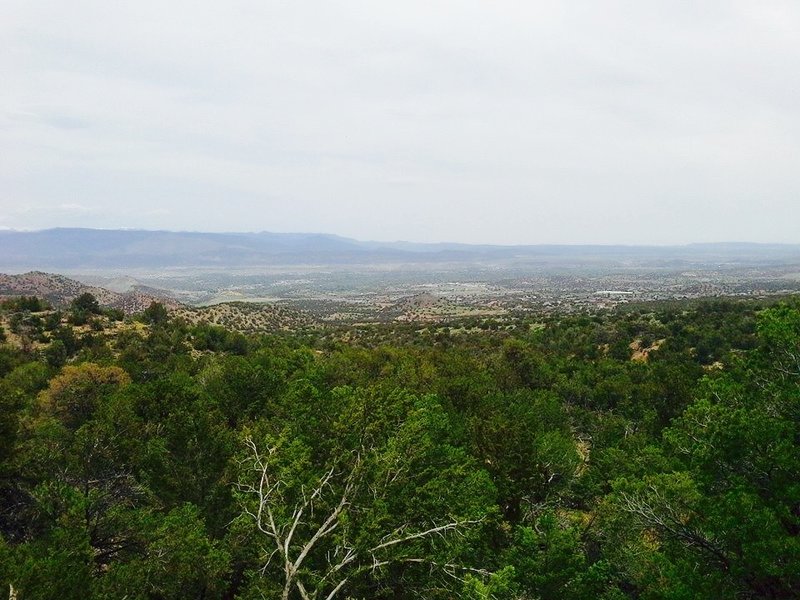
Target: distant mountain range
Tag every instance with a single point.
(58, 249)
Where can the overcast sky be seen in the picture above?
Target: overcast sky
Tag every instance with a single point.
(500, 122)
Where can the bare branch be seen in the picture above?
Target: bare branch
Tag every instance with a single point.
(428, 532)
(297, 528)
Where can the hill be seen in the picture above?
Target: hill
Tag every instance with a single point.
(60, 291)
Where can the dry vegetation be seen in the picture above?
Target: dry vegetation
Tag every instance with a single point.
(247, 317)
(642, 353)
(430, 307)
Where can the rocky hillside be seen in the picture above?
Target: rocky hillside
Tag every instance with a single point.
(247, 317)
(60, 290)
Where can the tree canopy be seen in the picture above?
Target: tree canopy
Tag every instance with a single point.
(642, 453)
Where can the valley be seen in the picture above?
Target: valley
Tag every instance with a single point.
(374, 294)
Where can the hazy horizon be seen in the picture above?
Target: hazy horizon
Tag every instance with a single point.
(486, 123)
(373, 240)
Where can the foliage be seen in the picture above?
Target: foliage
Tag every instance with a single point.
(155, 314)
(644, 453)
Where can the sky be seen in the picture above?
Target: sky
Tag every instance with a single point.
(500, 122)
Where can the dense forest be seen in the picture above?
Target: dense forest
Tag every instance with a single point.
(646, 452)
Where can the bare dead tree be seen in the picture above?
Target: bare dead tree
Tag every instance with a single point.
(295, 536)
(656, 512)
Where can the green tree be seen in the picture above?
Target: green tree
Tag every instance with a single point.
(155, 314)
(56, 354)
(86, 303)
(524, 441)
(725, 523)
(74, 395)
(367, 505)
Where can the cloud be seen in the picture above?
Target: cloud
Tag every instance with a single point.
(517, 122)
(73, 207)
(65, 122)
